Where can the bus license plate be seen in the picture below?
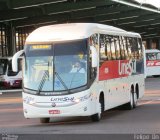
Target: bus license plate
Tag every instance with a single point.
(54, 111)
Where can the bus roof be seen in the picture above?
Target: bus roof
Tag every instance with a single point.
(152, 50)
(73, 31)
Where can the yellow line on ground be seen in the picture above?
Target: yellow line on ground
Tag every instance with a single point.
(11, 100)
(152, 92)
(10, 110)
(153, 95)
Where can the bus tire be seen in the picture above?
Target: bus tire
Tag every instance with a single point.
(130, 104)
(44, 120)
(96, 117)
(135, 99)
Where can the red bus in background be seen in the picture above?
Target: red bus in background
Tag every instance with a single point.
(8, 78)
(152, 62)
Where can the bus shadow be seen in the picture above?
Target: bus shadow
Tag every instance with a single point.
(106, 116)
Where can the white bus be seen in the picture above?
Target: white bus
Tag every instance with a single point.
(112, 75)
(8, 78)
(152, 62)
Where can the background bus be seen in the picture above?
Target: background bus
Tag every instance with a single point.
(8, 78)
(152, 62)
(111, 58)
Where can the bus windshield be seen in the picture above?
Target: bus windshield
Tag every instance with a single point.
(55, 67)
(153, 56)
(3, 66)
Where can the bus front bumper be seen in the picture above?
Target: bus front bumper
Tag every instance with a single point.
(46, 110)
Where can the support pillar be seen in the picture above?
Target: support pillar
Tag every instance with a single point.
(11, 40)
(149, 43)
(158, 44)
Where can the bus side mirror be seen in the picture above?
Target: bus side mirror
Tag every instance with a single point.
(94, 56)
(15, 60)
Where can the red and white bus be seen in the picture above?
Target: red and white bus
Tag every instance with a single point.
(112, 75)
(152, 62)
(8, 78)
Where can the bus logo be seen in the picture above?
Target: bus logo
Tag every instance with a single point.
(53, 104)
(127, 68)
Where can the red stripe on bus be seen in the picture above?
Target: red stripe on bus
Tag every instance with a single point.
(151, 63)
(116, 69)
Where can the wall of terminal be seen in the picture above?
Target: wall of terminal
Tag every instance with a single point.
(12, 39)
(3, 41)
(152, 44)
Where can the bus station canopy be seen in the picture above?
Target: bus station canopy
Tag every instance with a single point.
(131, 15)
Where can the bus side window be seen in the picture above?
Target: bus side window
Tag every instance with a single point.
(109, 47)
(117, 48)
(122, 48)
(124, 43)
(140, 48)
(113, 49)
(158, 56)
(128, 45)
(134, 48)
(148, 56)
(92, 41)
(103, 49)
(152, 56)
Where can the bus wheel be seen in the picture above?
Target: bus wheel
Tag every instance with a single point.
(96, 117)
(135, 99)
(130, 105)
(44, 120)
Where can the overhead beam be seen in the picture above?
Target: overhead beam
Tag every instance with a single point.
(152, 37)
(41, 19)
(122, 15)
(71, 15)
(141, 23)
(20, 13)
(17, 4)
(51, 9)
(137, 19)
(98, 11)
(93, 12)
(144, 29)
(66, 7)
(150, 32)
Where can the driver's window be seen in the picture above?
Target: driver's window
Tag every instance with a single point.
(93, 41)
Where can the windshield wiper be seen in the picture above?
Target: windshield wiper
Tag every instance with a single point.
(41, 84)
(62, 82)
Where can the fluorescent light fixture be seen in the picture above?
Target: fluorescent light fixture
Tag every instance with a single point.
(40, 4)
(138, 6)
(72, 10)
(12, 19)
(155, 3)
(150, 35)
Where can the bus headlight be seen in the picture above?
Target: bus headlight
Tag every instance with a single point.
(81, 99)
(77, 100)
(29, 100)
